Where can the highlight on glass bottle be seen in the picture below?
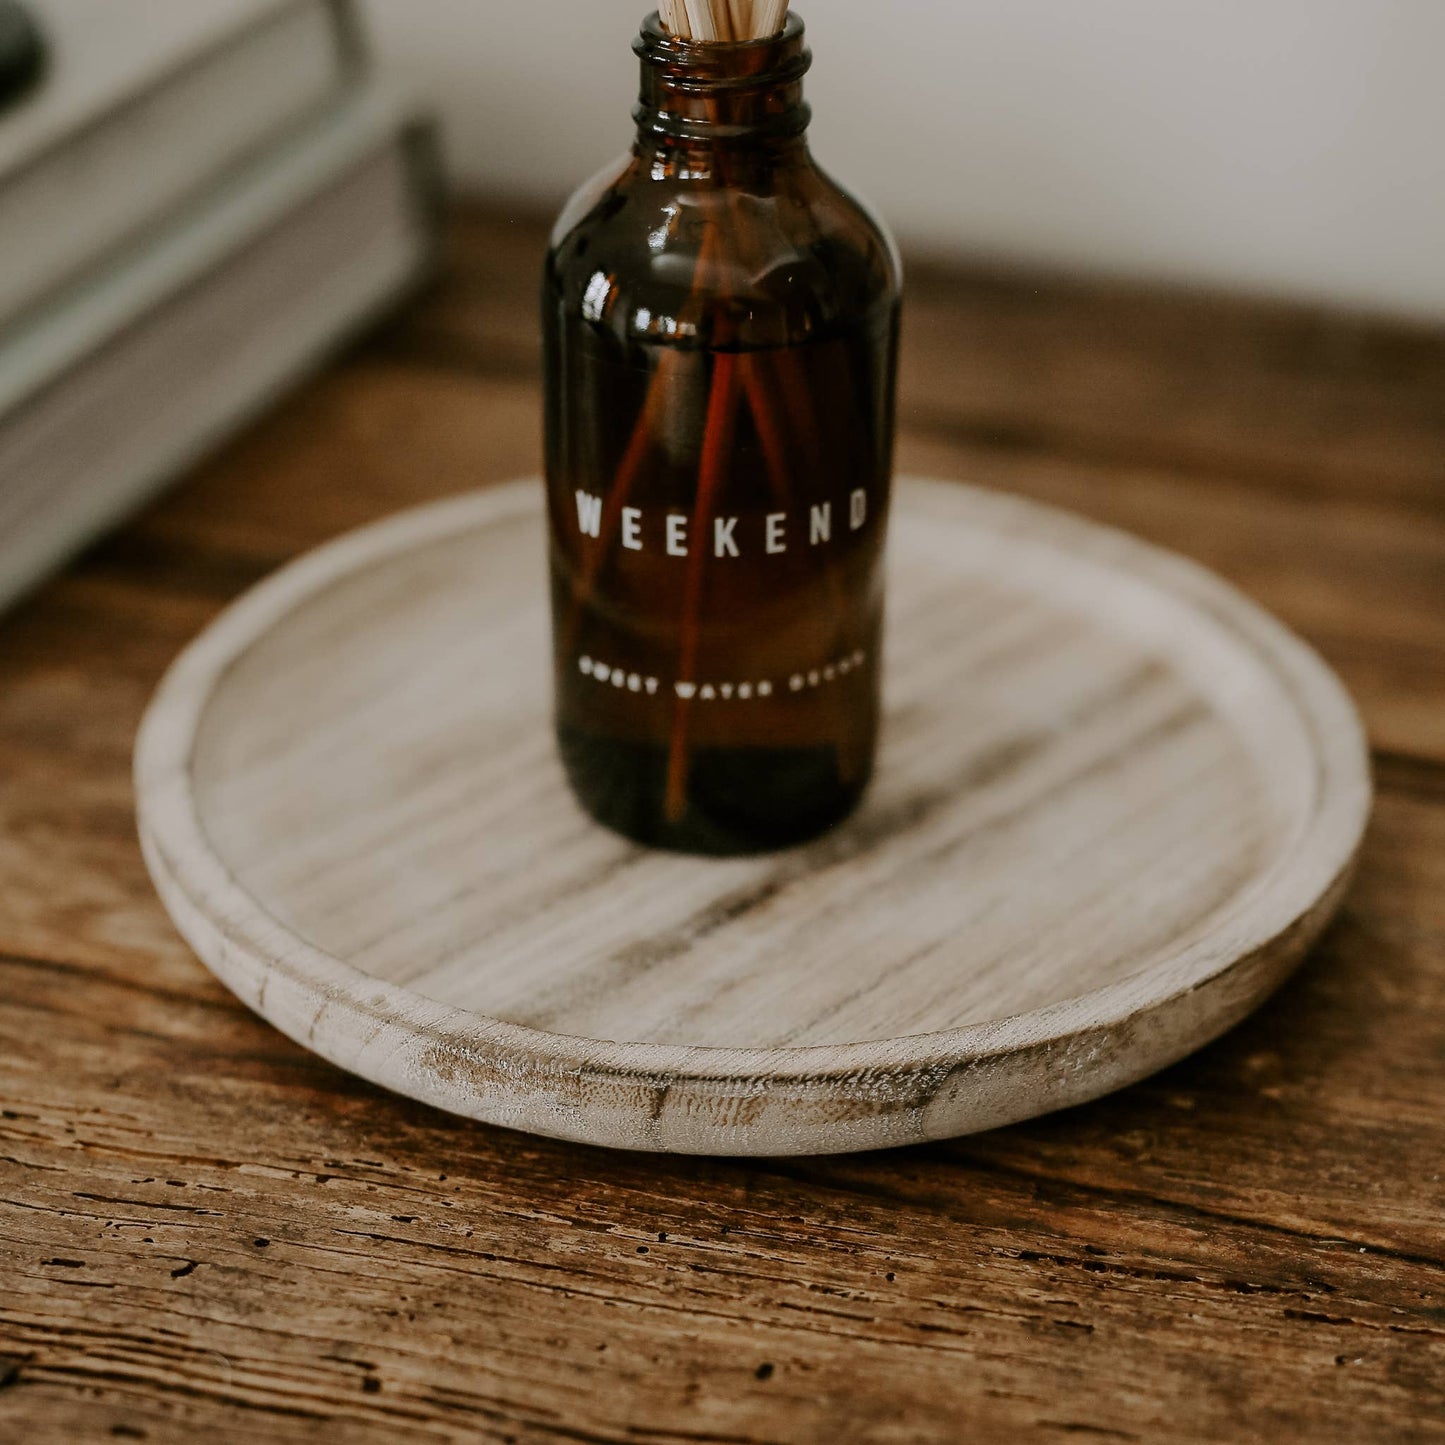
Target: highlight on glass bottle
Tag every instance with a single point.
(721, 325)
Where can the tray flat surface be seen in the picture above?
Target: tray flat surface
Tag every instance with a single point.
(1116, 804)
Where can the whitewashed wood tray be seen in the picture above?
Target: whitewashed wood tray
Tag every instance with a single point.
(1116, 805)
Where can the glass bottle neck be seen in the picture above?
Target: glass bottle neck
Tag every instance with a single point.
(714, 95)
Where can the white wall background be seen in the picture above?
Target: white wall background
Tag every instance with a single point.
(1287, 146)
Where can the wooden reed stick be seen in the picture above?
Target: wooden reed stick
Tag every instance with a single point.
(717, 448)
(724, 20)
(769, 17)
(702, 19)
(674, 16)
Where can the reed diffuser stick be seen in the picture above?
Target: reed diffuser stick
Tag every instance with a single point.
(717, 446)
(703, 18)
(769, 17)
(724, 20)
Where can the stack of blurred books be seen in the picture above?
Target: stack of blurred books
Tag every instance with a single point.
(199, 200)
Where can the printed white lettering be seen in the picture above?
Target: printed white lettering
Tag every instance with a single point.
(676, 527)
(589, 514)
(636, 682)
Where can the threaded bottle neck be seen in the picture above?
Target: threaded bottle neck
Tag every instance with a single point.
(715, 93)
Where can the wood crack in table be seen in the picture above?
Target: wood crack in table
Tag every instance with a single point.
(206, 1230)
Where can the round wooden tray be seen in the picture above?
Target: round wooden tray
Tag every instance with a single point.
(1116, 804)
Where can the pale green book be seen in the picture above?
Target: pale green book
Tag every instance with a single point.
(143, 105)
(113, 393)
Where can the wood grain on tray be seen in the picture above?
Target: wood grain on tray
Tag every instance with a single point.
(1115, 806)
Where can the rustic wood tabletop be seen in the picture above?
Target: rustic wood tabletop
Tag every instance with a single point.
(207, 1232)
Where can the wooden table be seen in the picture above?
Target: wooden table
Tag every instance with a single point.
(207, 1233)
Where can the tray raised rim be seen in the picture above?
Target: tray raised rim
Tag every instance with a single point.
(918, 1086)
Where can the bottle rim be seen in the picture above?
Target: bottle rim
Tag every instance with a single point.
(713, 66)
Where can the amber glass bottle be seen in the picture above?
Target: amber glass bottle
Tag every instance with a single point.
(721, 325)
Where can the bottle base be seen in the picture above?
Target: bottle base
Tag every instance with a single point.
(740, 801)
